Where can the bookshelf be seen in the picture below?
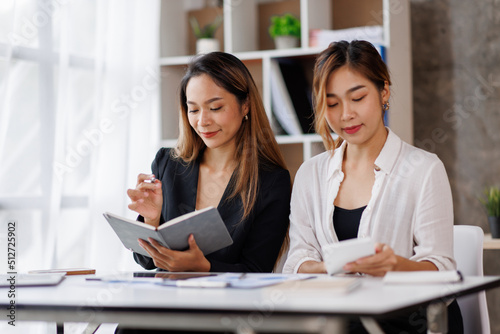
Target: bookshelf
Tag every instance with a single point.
(244, 34)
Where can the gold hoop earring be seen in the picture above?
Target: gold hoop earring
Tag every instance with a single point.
(386, 106)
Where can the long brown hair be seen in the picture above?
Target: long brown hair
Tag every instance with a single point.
(360, 56)
(255, 142)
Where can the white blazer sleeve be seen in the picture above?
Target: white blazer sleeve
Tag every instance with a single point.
(433, 234)
(304, 245)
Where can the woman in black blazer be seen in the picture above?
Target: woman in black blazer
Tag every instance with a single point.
(227, 157)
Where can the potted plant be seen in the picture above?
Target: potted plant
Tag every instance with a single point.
(206, 41)
(491, 201)
(285, 30)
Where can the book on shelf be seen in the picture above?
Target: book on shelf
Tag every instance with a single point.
(299, 90)
(291, 96)
(276, 125)
(206, 225)
(281, 102)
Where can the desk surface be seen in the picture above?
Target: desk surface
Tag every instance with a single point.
(89, 301)
(490, 243)
(372, 298)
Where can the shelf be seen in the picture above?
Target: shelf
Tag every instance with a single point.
(309, 138)
(305, 138)
(168, 143)
(246, 23)
(249, 55)
(175, 61)
(245, 34)
(283, 139)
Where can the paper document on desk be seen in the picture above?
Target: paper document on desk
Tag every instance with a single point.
(235, 280)
(30, 279)
(326, 285)
(422, 277)
(148, 277)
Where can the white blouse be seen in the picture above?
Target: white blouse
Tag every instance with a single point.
(410, 208)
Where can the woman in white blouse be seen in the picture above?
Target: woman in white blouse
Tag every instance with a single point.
(369, 183)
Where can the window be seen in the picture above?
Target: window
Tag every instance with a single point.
(64, 64)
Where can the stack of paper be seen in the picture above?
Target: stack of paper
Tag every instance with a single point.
(326, 285)
(236, 280)
(429, 277)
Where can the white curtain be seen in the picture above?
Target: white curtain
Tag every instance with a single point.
(128, 96)
(79, 119)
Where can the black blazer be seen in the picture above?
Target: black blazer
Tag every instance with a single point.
(256, 240)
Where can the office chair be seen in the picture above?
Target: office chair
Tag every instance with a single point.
(468, 252)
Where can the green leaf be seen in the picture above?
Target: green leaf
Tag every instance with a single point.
(491, 201)
(285, 25)
(208, 31)
(195, 26)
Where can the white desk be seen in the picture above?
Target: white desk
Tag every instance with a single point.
(147, 305)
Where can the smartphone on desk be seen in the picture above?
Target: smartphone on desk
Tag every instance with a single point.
(148, 276)
(174, 276)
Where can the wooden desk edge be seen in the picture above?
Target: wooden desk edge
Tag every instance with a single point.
(490, 243)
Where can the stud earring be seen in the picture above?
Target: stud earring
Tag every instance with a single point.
(246, 117)
(386, 106)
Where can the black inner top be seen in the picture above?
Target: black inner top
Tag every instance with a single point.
(346, 222)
